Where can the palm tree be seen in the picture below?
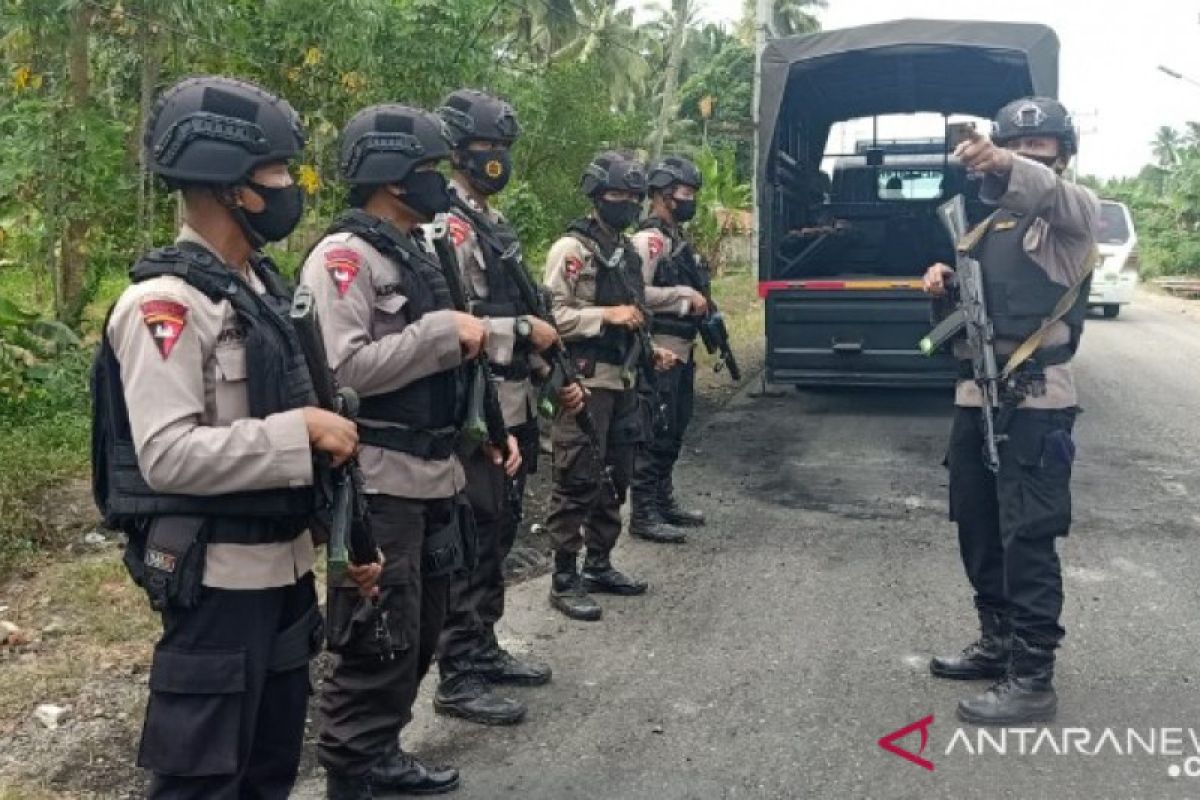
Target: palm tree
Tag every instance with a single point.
(680, 16)
(788, 18)
(607, 37)
(794, 17)
(1165, 146)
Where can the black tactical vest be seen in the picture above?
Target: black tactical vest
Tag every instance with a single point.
(277, 380)
(1020, 295)
(431, 410)
(504, 299)
(613, 344)
(680, 267)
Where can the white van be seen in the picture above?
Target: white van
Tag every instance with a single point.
(1116, 275)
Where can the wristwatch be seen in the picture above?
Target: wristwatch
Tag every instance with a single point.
(523, 328)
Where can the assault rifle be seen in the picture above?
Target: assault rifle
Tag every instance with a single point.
(563, 371)
(970, 317)
(713, 332)
(342, 510)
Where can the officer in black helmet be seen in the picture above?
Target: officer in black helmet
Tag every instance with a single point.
(392, 335)
(589, 273)
(669, 263)
(203, 450)
(479, 243)
(1036, 252)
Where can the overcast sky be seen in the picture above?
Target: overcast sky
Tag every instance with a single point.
(1108, 61)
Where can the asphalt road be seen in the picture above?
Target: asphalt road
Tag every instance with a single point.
(788, 636)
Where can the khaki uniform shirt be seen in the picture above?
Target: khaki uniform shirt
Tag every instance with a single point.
(1060, 240)
(515, 396)
(373, 350)
(183, 371)
(570, 276)
(653, 246)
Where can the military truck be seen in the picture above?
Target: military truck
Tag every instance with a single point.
(844, 237)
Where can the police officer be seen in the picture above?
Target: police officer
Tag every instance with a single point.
(203, 453)
(669, 262)
(1035, 251)
(483, 128)
(590, 282)
(392, 335)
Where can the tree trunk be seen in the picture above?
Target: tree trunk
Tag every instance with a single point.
(682, 9)
(73, 260)
(152, 56)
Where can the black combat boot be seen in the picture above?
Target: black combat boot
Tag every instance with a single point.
(567, 593)
(986, 658)
(497, 665)
(401, 773)
(468, 696)
(599, 575)
(1026, 694)
(646, 522)
(347, 787)
(672, 512)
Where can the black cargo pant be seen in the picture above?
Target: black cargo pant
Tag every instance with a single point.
(1008, 524)
(578, 499)
(229, 689)
(476, 599)
(655, 460)
(369, 695)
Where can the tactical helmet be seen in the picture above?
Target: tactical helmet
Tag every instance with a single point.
(613, 170)
(470, 114)
(670, 170)
(1036, 116)
(217, 130)
(384, 143)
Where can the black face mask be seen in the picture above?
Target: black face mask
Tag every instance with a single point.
(685, 210)
(1048, 161)
(284, 207)
(618, 214)
(426, 193)
(489, 170)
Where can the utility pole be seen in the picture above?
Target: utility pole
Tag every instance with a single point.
(762, 32)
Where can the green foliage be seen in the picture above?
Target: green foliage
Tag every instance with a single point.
(723, 192)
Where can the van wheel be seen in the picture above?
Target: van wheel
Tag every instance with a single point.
(1111, 310)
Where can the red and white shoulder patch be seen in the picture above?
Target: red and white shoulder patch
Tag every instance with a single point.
(343, 264)
(165, 319)
(459, 229)
(655, 245)
(573, 266)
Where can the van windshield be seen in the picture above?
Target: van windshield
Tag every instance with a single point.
(1114, 227)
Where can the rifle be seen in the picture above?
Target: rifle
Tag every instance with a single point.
(563, 371)
(713, 332)
(640, 357)
(342, 510)
(970, 317)
(485, 417)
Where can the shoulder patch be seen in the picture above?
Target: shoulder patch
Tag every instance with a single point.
(458, 228)
(573, 265)
(165, 319)
(655, 244)
(342, 264)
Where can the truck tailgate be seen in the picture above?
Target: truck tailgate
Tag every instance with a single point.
(854, 332)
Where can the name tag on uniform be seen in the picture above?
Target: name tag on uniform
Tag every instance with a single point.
(1005, 225)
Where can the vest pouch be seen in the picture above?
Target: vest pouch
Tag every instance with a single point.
(444, 551)
(172, 566)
